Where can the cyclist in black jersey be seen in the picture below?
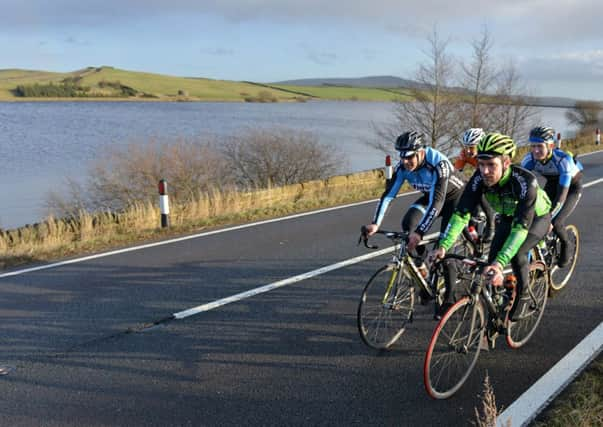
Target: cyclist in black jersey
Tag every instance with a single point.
(563, 185)
(523, 208)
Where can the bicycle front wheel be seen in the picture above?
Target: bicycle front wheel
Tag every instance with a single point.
(386, 306)
(454, 348)
(560, 276)
(530, 307)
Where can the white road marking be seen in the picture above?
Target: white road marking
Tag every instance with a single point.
(536, 398)
(596, 181)
(279, 284)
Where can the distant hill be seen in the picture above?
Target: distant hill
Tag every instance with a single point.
(393, 82)
(113, 83)
(371, 81)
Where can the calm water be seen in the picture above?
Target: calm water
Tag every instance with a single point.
(41, 144)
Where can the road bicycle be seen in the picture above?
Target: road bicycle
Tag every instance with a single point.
(388, 299)
(550, 250)
(476, 320)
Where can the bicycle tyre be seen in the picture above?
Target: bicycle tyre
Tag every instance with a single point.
(382, 318)
(560, 276)
(529, 311)
(454, 348)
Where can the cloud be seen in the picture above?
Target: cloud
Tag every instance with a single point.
(322, 58)
(220, 51)
(578, 66)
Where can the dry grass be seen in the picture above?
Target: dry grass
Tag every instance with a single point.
(580, 405)
(56, 238)
(487, 415)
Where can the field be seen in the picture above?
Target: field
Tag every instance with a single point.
(109, 83)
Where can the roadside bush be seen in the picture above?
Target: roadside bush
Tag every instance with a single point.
(254, 159)
(129, 175)
(266, 158)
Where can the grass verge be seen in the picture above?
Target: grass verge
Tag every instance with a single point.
(580, 405)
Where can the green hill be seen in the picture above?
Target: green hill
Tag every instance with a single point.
(110, 83)
(113, 83)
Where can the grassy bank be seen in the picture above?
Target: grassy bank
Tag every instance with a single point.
(57, 238)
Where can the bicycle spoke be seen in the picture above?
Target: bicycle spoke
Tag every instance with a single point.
(385, 307)
(453, 349)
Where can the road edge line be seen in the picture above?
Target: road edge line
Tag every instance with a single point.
(523, 410)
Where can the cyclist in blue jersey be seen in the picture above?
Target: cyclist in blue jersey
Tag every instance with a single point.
(563, 180)
(430, 172)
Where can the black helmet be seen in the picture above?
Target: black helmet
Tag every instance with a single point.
(541, 134)
(409, 143)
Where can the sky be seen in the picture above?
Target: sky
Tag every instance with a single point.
(556, 45)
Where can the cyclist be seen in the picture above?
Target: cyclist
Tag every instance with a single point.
(563, 184)
(468, 155)
(523, 208)
(430, 172)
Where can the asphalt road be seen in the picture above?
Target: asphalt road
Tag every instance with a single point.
(82, 353)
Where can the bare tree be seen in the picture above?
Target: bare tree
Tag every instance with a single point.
(478, 79)
(264, 158)
(433, 110)
(585, 115)
(511, 115)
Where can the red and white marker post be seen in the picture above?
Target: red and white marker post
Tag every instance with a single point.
(164, 203)
(388, 169)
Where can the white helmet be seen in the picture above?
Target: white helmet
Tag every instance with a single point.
(473, 136)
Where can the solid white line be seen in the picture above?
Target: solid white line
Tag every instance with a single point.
(262, 289)
(588, 154)
(596, 181)
(536, 398)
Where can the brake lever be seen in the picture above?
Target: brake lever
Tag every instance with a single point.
(364, 238)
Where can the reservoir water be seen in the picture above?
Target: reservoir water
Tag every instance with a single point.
(44, 143)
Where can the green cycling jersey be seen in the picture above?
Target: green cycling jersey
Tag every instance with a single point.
(517, 197)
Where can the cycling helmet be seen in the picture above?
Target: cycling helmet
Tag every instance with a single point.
(541, 134)
(495, 144)
(409, 143)
(473, 136)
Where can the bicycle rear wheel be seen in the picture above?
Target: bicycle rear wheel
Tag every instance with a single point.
(560, 276)
(530, 307)
(386, 306)
(454, 348)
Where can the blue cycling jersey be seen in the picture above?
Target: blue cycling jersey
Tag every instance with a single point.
(560, 170)
(560, 165)
(435, 176)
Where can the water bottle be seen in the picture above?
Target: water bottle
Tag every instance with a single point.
(473, 233)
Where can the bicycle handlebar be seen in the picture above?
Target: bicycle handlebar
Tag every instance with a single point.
(393, 235)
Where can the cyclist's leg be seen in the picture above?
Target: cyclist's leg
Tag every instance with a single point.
(450, 270)
(520, 263)
(413, 216)
(573, 196)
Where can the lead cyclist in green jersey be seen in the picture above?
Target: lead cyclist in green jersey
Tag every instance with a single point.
(523, 210)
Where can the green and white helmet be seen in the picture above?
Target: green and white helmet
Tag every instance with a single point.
(495, 144)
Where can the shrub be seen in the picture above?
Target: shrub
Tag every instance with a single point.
(264, 158)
